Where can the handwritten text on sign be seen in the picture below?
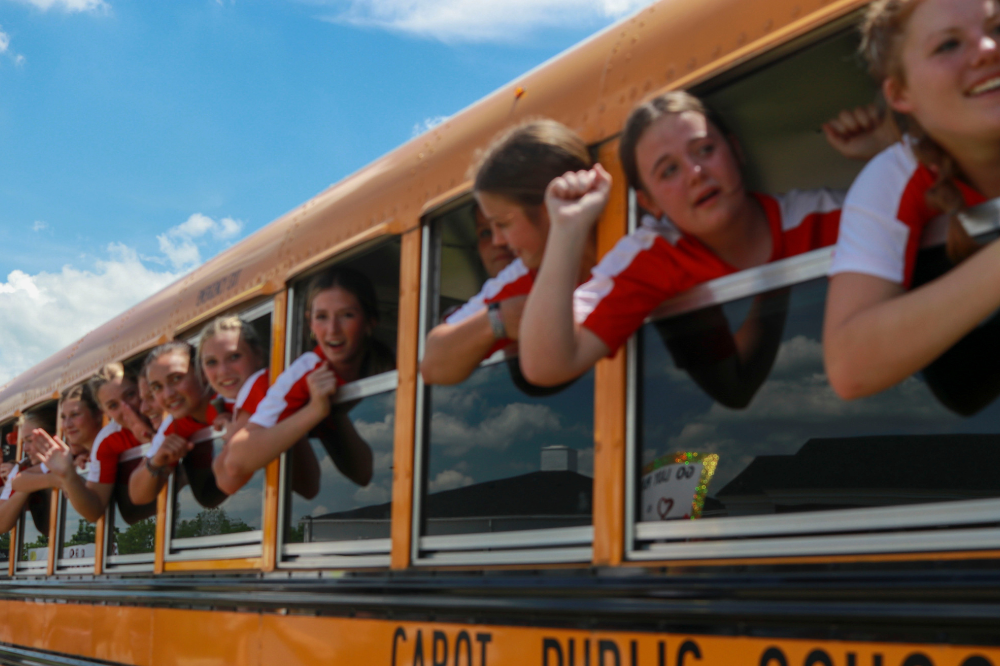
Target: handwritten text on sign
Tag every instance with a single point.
(668, 492)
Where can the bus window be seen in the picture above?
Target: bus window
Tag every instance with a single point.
(337, 488)
(8, 446)
(203, 522)
(33, 527)
(506, 465)
(130, 529)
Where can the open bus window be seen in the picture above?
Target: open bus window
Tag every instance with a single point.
(503, 463)
(796, 448)
(326, 514)
(33, 526)
(8, 445)
(201, 518)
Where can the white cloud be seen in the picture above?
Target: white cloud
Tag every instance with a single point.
(4, 41)
(180, 243)
(19, 60)
(45, 312)
(6, 50)
(372, 494)
(478, 20)
(449, 479)
(516, 420)
(379, 435)
(70, 5)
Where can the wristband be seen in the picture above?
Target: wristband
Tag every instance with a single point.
(156, 470)
(496, 322)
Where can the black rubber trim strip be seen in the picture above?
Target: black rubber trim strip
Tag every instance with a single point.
(11, 655)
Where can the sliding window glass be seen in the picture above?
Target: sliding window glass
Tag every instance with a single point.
(738, 435)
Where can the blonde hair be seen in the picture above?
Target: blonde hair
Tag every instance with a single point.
(231, 323)
(882, 34)
(109, 373)
(43, 420)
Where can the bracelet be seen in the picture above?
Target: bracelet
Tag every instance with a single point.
(496, 322)
(156, 470)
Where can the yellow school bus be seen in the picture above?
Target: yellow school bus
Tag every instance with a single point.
(629, 519)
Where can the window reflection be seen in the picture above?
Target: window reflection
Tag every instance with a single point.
(342, 510)
(78, 536)
(796, 446)
(498, 460)
(201, 509)
(33, 530)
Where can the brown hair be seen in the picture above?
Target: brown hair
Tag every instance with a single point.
(168, 348)
(232, 323)
(648, 112)
(521, 161)
(82, 393)
(352, 281)
(108, 373)
(881, 40)
(43, 419)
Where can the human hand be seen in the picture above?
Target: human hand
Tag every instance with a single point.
(861, 133)
(174, 448)
(322, 383)
(54, 453)
(222, 421)
(576, 198)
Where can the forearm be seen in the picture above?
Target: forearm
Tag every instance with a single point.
(305, 470)
(86, 501)
(10, 510)
(29, 482)
(350, 453)
(254, 446)
(876, 340)
(143, 487)
(227, 482)
(453, 351)
(550, 348)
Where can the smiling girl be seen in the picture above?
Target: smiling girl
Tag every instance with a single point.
(342, 312)
(938, 63)
(702, 224)
(176, 383)
(510, 189)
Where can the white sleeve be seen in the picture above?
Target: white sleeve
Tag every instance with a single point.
(514, 271)
(872, 239)
(7, 489)
(159, 436)
(273, 405)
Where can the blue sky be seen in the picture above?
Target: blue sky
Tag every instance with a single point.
(140, 138)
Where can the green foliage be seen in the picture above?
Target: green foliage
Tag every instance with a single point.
(85, 533)
(138, 538)
(295, 534)
(210, 522)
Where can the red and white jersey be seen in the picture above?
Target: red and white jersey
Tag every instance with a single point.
(290, 392)
(105, 451)
(8, 487)
(188, 427)
(515, 279)
(884, 217)
(658, 261)
(252, 392)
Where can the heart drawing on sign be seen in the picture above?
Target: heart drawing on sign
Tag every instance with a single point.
(664, 506)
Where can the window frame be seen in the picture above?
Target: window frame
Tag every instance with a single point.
(815, 533)
(562, 545)
(239, 545)
(348, 553)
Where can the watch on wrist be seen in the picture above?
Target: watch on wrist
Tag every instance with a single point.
(156, 470)
(496, 322)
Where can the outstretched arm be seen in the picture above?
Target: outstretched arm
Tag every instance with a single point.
(34, 479)
(10, 510)
(553, 348)
(254, 446)
(90, 499)
(144, 485)
(875, 335)
(453, 351)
